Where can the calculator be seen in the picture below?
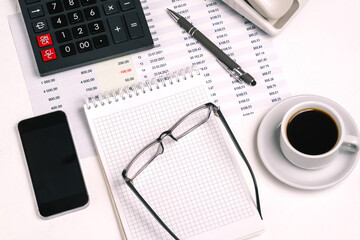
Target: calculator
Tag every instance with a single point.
(65, 34)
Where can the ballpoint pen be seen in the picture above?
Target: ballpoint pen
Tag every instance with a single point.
(225, 61)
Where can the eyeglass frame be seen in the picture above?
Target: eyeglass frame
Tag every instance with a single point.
(217, 112)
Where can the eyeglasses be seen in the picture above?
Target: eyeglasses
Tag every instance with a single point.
(188, 123)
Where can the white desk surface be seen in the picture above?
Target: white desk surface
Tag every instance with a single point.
(319, 52)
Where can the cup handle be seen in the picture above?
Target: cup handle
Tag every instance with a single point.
(350, 143)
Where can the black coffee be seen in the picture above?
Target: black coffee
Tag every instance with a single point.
(312, 131)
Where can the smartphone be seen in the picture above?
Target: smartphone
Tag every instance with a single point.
(53, 164)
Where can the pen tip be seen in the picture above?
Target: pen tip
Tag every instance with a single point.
(248, 79)
(173, 15)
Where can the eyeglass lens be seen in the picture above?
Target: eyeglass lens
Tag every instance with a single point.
(144, 158)
(183, 127)
(190, 122)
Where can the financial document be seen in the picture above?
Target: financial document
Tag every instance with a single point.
(174, 49)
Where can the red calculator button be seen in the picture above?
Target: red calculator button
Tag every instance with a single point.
(48, 54)
(44, 40)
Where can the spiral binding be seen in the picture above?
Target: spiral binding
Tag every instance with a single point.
(141, 88)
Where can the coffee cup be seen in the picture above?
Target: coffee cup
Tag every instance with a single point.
(312, 135)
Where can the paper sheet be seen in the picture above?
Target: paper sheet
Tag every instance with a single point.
(174, 49)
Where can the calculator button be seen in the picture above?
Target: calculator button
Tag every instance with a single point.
(59, 21)
(91, 13)
(96, 27)
(48, 54)
(67, 50)
(133, 25)
(110, 8)
(126, 5)
(44, 40)
(75, 17)
(84, 45)
(36, 11)
(71, 4)
(55, 7)
(40, 25)
(87, 2)
(117, 29)
(101, 41)
(63, 35)
(80, 31)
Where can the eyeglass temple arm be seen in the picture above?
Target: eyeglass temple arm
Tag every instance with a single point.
(222, 118)
(128, 182)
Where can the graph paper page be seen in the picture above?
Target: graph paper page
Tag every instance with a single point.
(195, 186)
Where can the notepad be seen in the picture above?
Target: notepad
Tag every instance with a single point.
(195, 186)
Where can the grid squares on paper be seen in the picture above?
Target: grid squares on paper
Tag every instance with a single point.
(193, 186)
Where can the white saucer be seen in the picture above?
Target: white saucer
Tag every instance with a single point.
(274, 160)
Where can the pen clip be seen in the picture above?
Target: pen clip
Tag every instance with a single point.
(232, 73)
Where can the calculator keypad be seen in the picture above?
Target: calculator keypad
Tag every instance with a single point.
(70, 33)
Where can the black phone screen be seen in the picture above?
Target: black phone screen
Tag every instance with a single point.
(53, 163)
